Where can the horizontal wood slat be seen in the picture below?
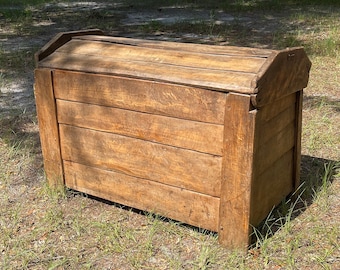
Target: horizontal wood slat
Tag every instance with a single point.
(223, 81)
(198, 136)
(176, 46)
(165, 57)
(139, 95)
(268, 129)
(271, 187)
(170, 165)
(272, 110)
(190, 207)
(273, 149)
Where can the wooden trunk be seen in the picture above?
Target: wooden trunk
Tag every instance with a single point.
(207, 135)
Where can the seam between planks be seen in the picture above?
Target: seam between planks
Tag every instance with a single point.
(144, 140)
(142, 178)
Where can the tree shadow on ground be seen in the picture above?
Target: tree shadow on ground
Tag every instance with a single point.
(198, 22)
(317, 174)
(19, 136)
(319, 101)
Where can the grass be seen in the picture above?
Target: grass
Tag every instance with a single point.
(235, 5)
(304, 26)
(43, 228)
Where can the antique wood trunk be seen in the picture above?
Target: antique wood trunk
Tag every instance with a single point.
(206, 135)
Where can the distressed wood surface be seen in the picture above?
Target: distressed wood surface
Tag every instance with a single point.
(297, 147)
(60, 39)
(179, 58)
(277, 107)
(237, 176)
(222, 80)
(197, 136)
(170, 165)
(286, 73)
(275, 147)
(190, 207)
(48, 126)
(274, 156)
(268, 76)
(271, 187)
(187, 47)
(140, 95)
(268, 129)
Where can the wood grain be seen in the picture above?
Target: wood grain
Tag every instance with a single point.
(268, 75)
(270, 151)
(268, 129)
(221, 80)
(179, 58)
(270, 111)
(237, 177)
(48, 127)
(187, 47)
(60, 39)
(271, 187)
(170, 165)
(197, 136)
(286, 73)
(140, 95)
(297, 146)
(180, 204)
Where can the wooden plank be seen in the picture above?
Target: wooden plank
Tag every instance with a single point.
(270, 111)
(237, 175)
(286, 73)
(166, 57)
(198, 136)
(223, 81)
(139, 95)
(269, 129)
(273, 161)
(267, 153)
(170, 165)
(271, 187)
(188, 47)
(189, 207)
(59, 40)
(297, 147)
(48, 127)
